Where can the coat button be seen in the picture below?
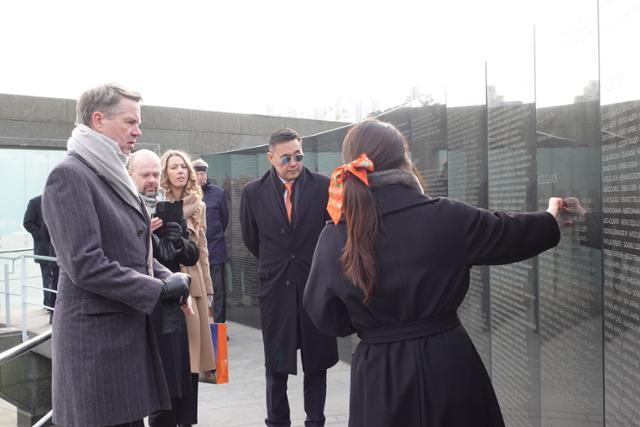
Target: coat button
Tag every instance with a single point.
(282, 230)
(293, 256)
(140, 232)
(287, 283)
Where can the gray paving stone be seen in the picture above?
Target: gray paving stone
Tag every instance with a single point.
(241, 403)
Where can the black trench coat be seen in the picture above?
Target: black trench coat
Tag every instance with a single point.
(171, 328)
(425, 253)
(284, 252)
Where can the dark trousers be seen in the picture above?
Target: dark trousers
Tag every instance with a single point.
(138, 423)
(219, 299)
(49, 272)
(315, 393)
(184, 410)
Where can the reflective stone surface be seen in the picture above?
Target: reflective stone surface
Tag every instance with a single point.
(555, 112)
(620, 165)
(570, 276)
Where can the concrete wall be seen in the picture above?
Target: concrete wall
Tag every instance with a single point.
(34, 122)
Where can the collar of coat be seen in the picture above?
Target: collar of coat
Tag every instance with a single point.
(140, 208)
(190, 203)
(297, 183)
(397, 197)
(395, 176)
(207, 186)
(304, 191)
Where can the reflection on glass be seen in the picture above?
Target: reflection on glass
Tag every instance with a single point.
(552, 330)
(329, 149)
(310, 149)
(620, 82)
(570, 276)
(514, 342)
(467, 181)
(27, 171)
(428, 146)
(242, 300)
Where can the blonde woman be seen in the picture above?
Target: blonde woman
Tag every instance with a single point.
(179, 183)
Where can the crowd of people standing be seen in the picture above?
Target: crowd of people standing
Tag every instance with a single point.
(141, 253)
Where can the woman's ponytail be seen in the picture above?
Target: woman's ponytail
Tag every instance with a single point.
(359, 259)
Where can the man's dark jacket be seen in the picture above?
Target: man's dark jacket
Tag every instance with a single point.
(284, 251)
(34, 224)
(217, 221)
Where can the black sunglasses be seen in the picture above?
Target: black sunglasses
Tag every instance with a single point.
(286, 158)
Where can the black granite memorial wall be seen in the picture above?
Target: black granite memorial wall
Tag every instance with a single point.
(570, 276)
(467, 181)
(620, 222)
(428, 146)
(560, 333)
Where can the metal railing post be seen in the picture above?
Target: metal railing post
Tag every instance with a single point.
(20, 349)
(42, 421)
(7, 296)
(23, 270)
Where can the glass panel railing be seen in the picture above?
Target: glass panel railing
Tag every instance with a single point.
(25, 364)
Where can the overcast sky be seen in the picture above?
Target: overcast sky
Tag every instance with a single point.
(272, 56)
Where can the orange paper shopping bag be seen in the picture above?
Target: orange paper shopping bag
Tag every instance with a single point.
(219, 336)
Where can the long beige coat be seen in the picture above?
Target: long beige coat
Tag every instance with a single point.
(200, 344)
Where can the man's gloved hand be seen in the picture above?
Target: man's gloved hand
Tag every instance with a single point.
(176, 286)
(163, 250)
(172, 231)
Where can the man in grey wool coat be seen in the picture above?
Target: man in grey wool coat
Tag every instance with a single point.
(106, 370)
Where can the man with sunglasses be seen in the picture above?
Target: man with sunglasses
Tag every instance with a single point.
(282, 214)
